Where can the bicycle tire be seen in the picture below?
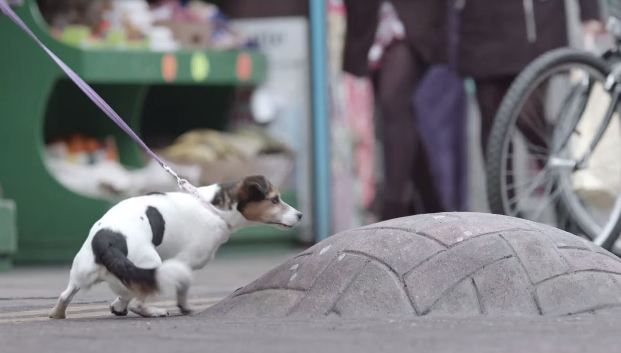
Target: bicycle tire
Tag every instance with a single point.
(508, 111)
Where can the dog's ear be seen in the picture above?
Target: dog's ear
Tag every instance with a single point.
(255, 188)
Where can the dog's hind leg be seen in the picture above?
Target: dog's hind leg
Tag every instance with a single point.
(58, 312)
(182, 300)
(139, 307)
(119, 306)
(84, 273)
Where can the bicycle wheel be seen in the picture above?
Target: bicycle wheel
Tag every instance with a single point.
(543, 122)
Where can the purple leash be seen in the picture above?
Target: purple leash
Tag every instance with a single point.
(104, 106)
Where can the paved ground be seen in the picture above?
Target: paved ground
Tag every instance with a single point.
(27, 294)
(198, 334)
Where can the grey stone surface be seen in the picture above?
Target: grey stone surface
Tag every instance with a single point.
(330, 285)
(435, 278)
(584, 260)
(460, 300)
(386, 297)
(578, 292)
(399, 249)
(265, 303)
(537, 254)
(455, 264)
(504, 288)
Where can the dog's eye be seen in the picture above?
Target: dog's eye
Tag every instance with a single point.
(275, 200)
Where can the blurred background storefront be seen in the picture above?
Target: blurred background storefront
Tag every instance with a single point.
(221, 89)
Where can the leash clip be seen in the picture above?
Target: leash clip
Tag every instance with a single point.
(185, 185)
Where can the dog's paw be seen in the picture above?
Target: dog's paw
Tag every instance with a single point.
(185, 310)
(158, 312)
(117, 312)
(119, 307)
(149, 311)
(57, 314)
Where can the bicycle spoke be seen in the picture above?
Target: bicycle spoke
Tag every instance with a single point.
(536, 155)
(524, 183)
(532, 186)
(519, 138)
(536, 148)
(551, 197)
(539, 179)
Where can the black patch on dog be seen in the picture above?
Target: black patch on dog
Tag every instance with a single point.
(225, 197)
(156, 193)
(253, 189)
(106, 239)
(110, 250)
(157, 223)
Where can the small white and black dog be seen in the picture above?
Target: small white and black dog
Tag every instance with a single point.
(148, 243)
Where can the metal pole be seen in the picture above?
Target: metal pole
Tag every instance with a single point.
(321, 121)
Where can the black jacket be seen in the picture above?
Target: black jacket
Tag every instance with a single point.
(425, 23)
(500, 37)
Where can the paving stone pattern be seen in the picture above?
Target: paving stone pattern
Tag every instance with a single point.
(448, 264)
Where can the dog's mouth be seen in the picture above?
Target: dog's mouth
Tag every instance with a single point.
(280, 225)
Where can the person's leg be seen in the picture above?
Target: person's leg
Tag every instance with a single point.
(395, 85)
(531, 120)
(427, 199)
(533, 125)
(490, 93)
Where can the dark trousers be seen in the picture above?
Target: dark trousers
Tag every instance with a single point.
(531, 121)
(408, 186)
(490, 93)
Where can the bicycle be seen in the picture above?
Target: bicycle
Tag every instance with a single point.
(549, 135)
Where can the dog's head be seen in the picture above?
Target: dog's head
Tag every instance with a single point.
(259, 201)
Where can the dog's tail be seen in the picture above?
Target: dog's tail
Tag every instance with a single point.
(110, 250)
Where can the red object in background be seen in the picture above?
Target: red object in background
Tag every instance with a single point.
(112, 152)
(101, 29)
(169, 67)
(244, 66)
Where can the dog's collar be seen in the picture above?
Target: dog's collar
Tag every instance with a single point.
(215, 211)
(191, 189)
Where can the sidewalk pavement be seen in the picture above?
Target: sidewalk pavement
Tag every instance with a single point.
(28, 293)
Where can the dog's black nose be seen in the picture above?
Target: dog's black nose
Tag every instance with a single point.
(299, 216)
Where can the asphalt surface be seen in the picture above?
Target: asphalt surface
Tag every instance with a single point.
(584, 333)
